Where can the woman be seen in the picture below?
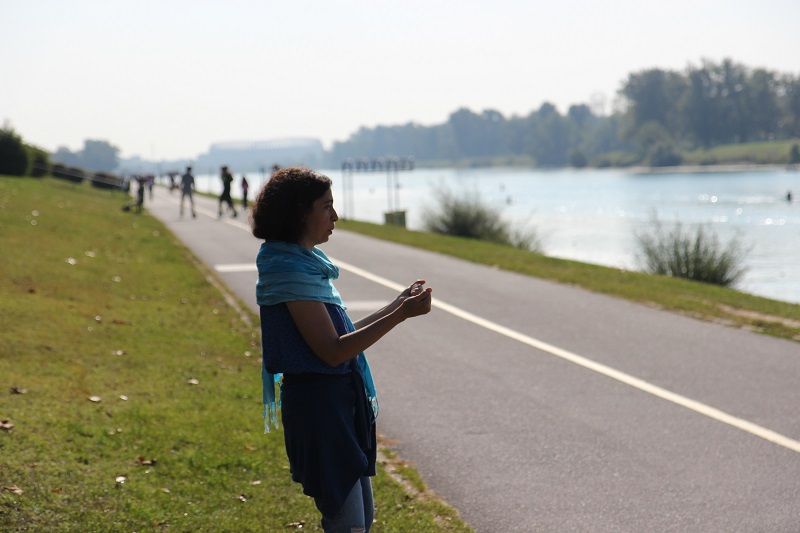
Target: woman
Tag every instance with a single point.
(327, 396)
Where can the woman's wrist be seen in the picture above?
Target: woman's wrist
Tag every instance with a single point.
(395, 304)
(398, 312)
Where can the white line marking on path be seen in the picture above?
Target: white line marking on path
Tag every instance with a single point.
(237, 267)
(683, 401)
(655, 390)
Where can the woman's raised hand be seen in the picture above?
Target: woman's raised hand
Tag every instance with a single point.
(415, 300)
(412, 290)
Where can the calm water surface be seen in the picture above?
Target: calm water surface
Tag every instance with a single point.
(591, 215)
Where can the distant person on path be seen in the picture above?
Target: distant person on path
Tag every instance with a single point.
(245, 187)
(138, 202)
(140, 182)
(227, 179)
(187, 188)
(151, 180)
(327, 396)
(789, 196)
(275, 168)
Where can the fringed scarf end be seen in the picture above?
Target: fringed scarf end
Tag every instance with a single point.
(270, 417)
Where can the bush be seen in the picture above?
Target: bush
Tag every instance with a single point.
(577, 159)
(794, 155)
(103, 180)
(698, 256)
(467, 216)
(67, 173)
(616, 159)
(38, 162)
(75, 174)
(663, 155)
(13, 155)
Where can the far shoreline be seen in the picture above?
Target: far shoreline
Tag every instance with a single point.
(638, 169)
(710, 169)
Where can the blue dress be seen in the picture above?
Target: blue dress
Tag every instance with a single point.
(328, 425)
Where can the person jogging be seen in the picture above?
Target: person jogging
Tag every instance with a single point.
(227, 179)
(187, 189)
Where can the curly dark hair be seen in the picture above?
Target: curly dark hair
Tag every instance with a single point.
(281, 204)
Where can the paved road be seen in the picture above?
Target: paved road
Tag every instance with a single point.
(519, 433)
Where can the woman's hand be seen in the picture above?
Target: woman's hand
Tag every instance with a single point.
(412, 290)
(418, 301)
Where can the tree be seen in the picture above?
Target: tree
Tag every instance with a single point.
(13, 155)
(763, 111)
(549, 137)
(699, 106)
(99, 155)
(65, 157)
(652, 96)
(38, 162)
(791, 106)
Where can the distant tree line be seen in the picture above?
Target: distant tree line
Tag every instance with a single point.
(18, 158)
(662, 112)
(96, 155)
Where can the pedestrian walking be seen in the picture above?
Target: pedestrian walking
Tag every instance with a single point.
(327, 395)
(245, 187)
(151, 180)
(140, 185)
(227, 179)
(187, 189)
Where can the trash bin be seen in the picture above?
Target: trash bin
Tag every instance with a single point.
(395, 218)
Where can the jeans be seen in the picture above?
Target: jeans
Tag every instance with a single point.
(356, 513)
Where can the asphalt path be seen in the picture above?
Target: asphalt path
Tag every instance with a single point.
(534, 406)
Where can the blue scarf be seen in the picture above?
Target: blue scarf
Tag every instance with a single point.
(288, 272)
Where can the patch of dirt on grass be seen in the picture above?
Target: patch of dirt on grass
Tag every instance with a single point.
(755, 315)
(393, 465)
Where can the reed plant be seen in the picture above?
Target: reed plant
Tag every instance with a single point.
(697, 254)
(467, 215)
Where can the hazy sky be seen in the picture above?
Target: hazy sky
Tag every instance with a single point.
(166, 78)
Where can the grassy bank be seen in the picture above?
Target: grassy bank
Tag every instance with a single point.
(700, 300)
(132, 387)
(760, 153)
(752, 153)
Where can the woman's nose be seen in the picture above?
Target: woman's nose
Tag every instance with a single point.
(335, 215)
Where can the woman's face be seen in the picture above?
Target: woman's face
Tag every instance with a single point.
(319, 222)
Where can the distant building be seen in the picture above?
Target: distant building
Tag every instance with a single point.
(251, 156)
(241, 156)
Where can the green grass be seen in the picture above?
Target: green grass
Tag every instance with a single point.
(700, 300)
(132, 316)
(765, 152)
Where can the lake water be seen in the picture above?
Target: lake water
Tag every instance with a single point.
(591, 215)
